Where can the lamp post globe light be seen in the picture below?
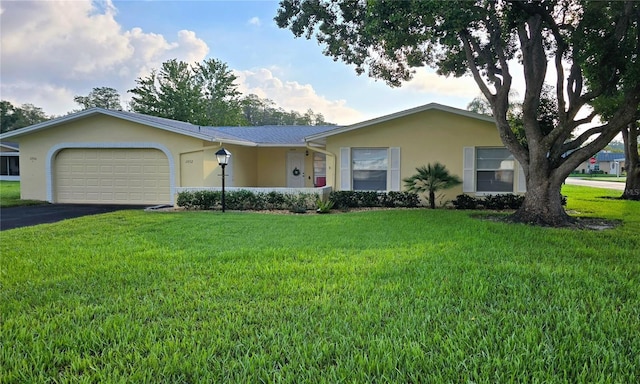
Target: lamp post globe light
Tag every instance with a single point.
(223, 159)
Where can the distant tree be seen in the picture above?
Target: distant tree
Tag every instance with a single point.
(204, 93)
(480, 105)
(102, 97)
(222, 103)
(592, 46)
(7, 116)
(431, 179)
(615, 146)
(258, 111)
(19, 117)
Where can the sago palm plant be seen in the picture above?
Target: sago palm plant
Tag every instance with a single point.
(431, 179)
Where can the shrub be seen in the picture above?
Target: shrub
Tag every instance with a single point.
(366, 199)
(465, 202)
(300, 203)
(500, 202)
(494, 202)
(324, 206)
(243, 200)
(275, 200)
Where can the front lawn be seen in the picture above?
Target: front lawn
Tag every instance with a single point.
(377, 296)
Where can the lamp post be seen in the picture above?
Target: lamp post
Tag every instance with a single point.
(223, 159)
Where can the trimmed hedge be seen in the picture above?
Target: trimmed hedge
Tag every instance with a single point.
(245, 200)
(492, 202)
(367, 199)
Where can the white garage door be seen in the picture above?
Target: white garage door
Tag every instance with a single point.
(112, 176)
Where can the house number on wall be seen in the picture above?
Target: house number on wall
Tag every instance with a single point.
(188, 161)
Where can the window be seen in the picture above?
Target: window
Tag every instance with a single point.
(320, 169)
(494, 170)
(369, 169)
(9, 166)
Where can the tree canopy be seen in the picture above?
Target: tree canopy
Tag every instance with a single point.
(203, 93)
(102, 97)
(591, 46)
(12, 117)
(207, 94)
(258, 111)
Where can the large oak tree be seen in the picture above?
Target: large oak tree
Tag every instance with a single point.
(591, 46)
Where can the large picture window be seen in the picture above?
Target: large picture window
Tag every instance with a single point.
(369, 169)
(494, 170)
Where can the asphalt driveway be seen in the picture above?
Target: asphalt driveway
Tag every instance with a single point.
(16, 217)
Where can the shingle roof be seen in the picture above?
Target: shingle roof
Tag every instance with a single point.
(609, 156)
(272, 135)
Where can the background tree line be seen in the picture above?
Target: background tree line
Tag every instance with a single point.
(202, 93)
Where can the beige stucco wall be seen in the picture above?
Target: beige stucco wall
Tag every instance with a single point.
(38, 149)
(423, 138)
(271, 166)
(194, 161)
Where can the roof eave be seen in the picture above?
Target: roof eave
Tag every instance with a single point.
(100, 111)
(407, 112)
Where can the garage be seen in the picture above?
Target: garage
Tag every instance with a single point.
(111, 176)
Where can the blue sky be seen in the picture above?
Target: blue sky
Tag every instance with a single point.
(54, 50)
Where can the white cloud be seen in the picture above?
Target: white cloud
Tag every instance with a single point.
(255, 21)
(292, 95)
(54, 50)
(426, 81)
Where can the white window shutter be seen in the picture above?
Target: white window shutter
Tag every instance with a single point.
(522, 180)
(394, 169)
(468, 171)
(345, 169)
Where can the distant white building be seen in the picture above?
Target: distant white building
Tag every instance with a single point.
(606, 162)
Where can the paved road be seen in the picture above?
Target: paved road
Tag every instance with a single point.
(595, 183)
(16, 217)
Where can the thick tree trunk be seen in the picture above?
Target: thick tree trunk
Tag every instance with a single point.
(543, 204)
(632, 187)
(632, 162)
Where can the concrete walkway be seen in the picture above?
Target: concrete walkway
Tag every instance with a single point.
(596, 183)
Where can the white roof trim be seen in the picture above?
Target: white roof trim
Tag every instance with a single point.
(382, 119)
(118, 114)
(9, 147)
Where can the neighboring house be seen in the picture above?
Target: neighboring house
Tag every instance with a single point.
(606, 162)
(9, 161)
(106, 156)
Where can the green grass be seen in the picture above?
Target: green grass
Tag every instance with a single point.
(10, 195)
(377, 296)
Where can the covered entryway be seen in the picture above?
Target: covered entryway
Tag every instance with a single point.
(111, 176)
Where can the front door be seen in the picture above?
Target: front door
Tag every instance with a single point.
(295, 170)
